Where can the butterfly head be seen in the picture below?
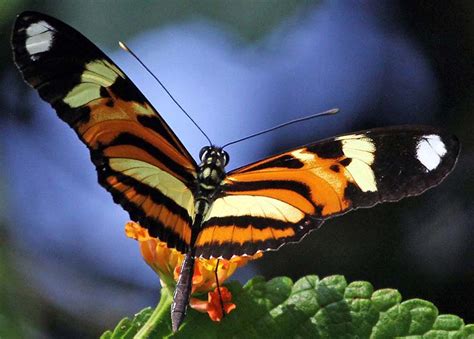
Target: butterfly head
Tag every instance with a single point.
(212, 167)
(215, 155)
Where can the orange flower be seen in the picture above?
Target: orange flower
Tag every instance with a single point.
(213, 305)
(156, 254)
(166, 263)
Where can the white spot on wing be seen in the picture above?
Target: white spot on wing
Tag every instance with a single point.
(430, 150)
(39, 38)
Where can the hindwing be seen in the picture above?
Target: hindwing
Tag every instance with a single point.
(280, 199)
(137, 156)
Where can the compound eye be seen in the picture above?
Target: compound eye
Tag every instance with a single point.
(203, 152)
(226, 158)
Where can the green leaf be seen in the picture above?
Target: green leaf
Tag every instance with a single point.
(310, 307)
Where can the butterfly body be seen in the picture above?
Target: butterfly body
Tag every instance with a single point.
(211, 172)
(202, 210)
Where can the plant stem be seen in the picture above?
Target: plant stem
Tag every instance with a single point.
(161, 310)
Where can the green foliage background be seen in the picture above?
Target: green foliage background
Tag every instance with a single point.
(308, 308)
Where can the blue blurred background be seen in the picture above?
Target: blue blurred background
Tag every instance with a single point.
(66, 267)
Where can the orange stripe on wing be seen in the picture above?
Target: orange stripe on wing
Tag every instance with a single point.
(104, 132)
(326, 187)
(220, 235)
(172, 222)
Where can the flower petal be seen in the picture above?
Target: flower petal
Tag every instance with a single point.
(216, 305)
(198, 305)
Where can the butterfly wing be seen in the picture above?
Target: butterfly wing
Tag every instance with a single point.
(138, 158)
(280, 199)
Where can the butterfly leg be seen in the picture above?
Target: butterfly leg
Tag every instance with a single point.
(219, 288)
(182, 293)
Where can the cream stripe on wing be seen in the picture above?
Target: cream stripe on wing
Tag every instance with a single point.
(270, 228)
(97, 74)
(361, 149)
(255, 206)
(156, 178)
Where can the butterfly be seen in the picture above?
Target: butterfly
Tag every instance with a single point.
(200, 209)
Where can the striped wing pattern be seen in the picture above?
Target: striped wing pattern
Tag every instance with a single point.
(137, 156)
(280, 199)
(258, 207)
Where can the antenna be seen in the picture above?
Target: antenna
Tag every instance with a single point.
(125, 48)
(320, 114)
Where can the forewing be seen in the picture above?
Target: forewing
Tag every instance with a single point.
(137, 156)
(280, 199)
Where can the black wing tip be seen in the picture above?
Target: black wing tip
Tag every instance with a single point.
(28, 17)
(28, 14)
(455, 144)
(451, 141)
(420, 128)
(454, 148)
(24, 19)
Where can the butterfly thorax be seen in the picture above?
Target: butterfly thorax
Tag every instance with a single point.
(211, 171)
